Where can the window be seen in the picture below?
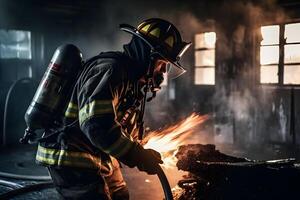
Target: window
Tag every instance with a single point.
(15, 54)
(205, 58)
(15, 44)
(280, 54)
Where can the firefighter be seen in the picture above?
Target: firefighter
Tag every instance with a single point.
(105, 112)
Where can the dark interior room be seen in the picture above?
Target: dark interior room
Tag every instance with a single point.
(226, 127)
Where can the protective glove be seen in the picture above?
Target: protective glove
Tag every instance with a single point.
(145, 160)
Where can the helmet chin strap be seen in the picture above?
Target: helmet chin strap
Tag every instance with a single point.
(149, 86)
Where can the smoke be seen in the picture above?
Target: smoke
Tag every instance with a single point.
(282, 121)
(235, 102)
(104, 35)
(241, 103)
(6, 18)
(243, 111)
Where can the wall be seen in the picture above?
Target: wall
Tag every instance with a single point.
(243, 112)
(246, 113)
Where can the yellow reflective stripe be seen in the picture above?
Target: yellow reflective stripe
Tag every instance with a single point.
(65, 152)
(155, 32)
(50, 161)
(120, 147)
(72, 110)
(71, 115)
(145, 28)
(63, 157)
(45, 160)
(170, 41)
(73, 106)
(96, 107)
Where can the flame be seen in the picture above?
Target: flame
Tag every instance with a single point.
(167, 140)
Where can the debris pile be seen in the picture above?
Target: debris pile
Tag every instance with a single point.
(214, 175)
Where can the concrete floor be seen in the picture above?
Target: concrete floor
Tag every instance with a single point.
(20, 160)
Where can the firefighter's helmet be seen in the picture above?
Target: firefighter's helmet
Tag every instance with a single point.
(164, 39)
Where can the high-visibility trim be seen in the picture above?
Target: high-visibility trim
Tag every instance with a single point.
(72, 105)
(66, 158)
(50, 161)
(96, 107)
(120, 147)
(155, 32)
(170, 41)
(71, 115)
(72, 110)
(145, 28)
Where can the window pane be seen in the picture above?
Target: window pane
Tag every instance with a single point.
(291, 74)
(269, 55)
(270, 34)
(15, 44)
(269, 74)
(205, 58)
(292, 53)
(205, 40)
(292, 32)
(205, 76)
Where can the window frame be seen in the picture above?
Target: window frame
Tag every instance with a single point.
(20, 62)
(204, 66)
(17, 43)
(281, 64)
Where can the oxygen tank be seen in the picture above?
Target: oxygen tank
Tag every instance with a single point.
(54, 91)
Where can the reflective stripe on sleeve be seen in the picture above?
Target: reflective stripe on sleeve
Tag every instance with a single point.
(119, 147)
(96, 107)
(66, 158)
(72, 110)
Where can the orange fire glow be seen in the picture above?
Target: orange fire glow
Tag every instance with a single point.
(167, 140)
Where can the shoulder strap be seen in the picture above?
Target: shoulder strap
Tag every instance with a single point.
(87, 64)
(110, 54)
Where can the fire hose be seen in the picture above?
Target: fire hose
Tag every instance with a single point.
(18, 189)
(164, 183)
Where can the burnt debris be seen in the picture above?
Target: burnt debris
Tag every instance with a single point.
(214, 175)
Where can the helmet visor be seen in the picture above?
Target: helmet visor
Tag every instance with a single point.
(174, 70)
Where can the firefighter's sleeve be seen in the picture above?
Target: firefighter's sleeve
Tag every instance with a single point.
(97, 113)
